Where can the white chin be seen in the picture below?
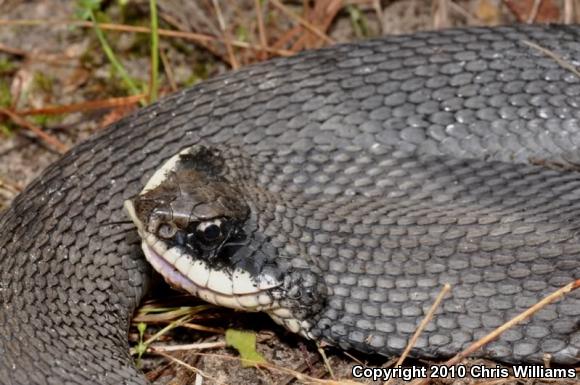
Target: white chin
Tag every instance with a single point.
(237, 289)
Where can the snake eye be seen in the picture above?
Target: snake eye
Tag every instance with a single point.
(210, 232)
(166, 231)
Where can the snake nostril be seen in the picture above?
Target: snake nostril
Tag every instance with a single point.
(166, 230)
(294, 293)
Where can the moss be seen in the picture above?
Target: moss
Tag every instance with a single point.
(42, 82)
(201, 71)
(242, 33)
(358, 21)
(5, 95)
(6, 127)
(6, 66)
(45, 120)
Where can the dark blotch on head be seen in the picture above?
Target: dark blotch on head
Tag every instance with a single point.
(204, 160)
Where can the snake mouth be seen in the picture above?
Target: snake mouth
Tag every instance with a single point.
(234, 289)
(197, 231)
(229, 287)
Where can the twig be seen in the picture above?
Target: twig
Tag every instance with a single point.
(472, 19)
(168, 71)
(50, 140)
(207, 45)
(304, 378)
(186, 365)
(558, 294)
(167, 328)
(325, 360)
(195, 37)
(568, 11)
(379, 12)
(177, 348)
(302, 22)
(11, 187)
(34, 56)
(440, 14)
(446, 288)
(287, 37)
(203, 328)
(261, 28)
(226, 36)
(84, 106)
(324, 12)
(534, 11)
(567, 65)
(17, 83)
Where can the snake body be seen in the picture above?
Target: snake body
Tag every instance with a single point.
(373, 173)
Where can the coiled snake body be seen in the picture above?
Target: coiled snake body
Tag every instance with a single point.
(372, 174)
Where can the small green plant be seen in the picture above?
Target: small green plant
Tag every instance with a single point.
(87, 8)
(5, 95)
(5, 102)
(44, 120)
(90, 10)
(245, 343)
(177, 315)
(154, 86)
(43, 82)
(201, 72)
(358, 21)
(6, 66)
(5, 129)
(242, 33)
(141, 347)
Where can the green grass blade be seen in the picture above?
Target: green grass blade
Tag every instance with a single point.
(154, 82)
(111, 56)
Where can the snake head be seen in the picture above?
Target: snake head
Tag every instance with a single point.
(192, 206)
(198, 233)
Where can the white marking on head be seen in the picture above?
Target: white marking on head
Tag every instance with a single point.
(130, 209)
(248, 301)
(220, 282)
(267, 282)
(162, 173)
(198, 273)
(243, 282)
(264, 299)
(208, 296)
(228, 301)
(292, 324)
(172, 255)
(282, 312)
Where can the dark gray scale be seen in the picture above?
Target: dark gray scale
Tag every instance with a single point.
(503, 235)
(502, 232)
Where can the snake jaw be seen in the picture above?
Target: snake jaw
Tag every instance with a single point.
(213, 286)
(234, 288)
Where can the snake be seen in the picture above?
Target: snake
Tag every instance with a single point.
(337, 190)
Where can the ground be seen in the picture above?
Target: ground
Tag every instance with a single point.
(57, 86)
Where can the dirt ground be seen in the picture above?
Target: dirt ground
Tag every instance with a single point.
(57, 87)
